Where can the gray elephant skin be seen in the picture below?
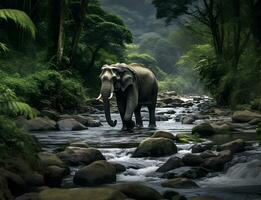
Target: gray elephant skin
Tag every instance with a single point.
(134, 86)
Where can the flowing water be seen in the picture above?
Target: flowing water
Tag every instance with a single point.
(241, 180)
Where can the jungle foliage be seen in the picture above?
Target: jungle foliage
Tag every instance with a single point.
(231, 68)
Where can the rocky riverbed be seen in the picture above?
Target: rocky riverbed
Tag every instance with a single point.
(198, 152)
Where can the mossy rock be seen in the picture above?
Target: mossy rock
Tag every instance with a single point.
(82, 194)
(49, 159)
(204, 129)
(155, 147)
(187, 138)
(99, 172)
(138, 191)
(179, 183)
(163, 134)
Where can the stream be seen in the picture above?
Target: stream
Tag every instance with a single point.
(241, 180)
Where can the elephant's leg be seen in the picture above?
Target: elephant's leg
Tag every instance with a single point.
(152, 123)
(138, 118)
(121, 103)
(131, 105)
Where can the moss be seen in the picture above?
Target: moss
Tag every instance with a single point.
(15, 142)
(187, 138)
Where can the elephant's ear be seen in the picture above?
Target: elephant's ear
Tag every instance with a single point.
(127, 79)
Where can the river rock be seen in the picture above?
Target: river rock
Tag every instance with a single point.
(34, 179)
(16, 184)
(82, 194)
(53, 176)
(172, 163)
(208, 154)
(173, 195)
(99, 172)
(217, 163)
(5, 193)
(138, 191)
(234, 146)
(255, 121)
(87, 121)
(204, 129)
(245, 116)
(70, 125)
(119, 167)
(204, 198)
(28, 196)
(40, 124)
(186, 172)
(163, 134)
(188, 119)
(155, 147)
(77, 155)
(49, 159)
(51, 114)
(198, 148)
(192, 160)
(179, 183)
(79, 144)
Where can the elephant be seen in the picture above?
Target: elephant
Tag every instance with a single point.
(134, 86)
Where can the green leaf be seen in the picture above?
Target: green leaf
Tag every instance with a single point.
(20, 18)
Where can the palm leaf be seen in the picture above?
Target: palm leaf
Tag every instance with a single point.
(20, 18)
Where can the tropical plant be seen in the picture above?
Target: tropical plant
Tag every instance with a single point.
(10, 104)
(21, 19)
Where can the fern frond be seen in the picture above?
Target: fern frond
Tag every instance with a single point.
(3, 47)
(10, 105)
(20, 18)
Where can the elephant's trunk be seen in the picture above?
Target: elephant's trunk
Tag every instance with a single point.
(106, 92)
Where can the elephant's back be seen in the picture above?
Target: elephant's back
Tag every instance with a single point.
(147, 83)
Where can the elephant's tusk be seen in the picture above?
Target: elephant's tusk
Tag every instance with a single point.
(111, 96)
(98, 98)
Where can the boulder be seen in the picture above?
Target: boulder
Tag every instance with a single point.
(255, 121)
(234, 146)
(221, 128)
(217, 163)
(40, 124)
(51, 114)
(34, 179)
(87, 121)
(204, 129)
(16, 184)
(138, 191)
(198, 148)
(28, 196)
(172, 163)
(79, 144)
(192, 160)
(187, 119)
(179, 183)
(163, 134)
(208, 154)
(186, 172)
(245, 116)
(119, 167)
(70, 125)
(99, 172)
(155, 147)
(5, 193)
(53, 176)
(77, 155)
(82, 194)
(204, 198)
(172, 195)
(49, 159)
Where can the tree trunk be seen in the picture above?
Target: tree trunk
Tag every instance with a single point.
(78, 29)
